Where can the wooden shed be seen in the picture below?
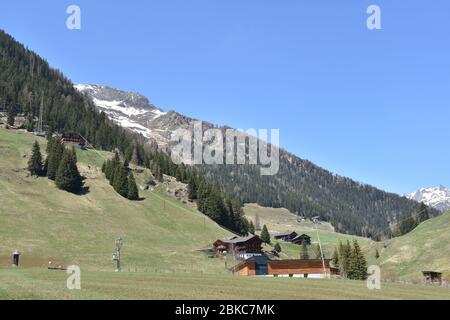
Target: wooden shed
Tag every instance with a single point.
(432, 278)
(304, 238)
(286, 236)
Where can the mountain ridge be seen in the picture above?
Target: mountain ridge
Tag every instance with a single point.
(435, 197)
(301, 186)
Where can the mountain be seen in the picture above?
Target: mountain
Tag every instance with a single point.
(437, 197)
(300, 185)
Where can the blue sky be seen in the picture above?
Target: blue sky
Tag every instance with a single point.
(371, 105)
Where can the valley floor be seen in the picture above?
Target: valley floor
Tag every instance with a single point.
(40, 284)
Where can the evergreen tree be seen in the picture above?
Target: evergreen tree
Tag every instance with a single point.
(345, 253)
(192, 188)
(377, 254)
(35, 162)
(115, 164)
(277, 248)
(335, 259)
(304, 255)
(407, 223)
(120, 182)
(251, 228)
(54, 156)
(133, 193)
(214, 206)
(67, 176)
(358, 265)
(422, 213)
(265, 235)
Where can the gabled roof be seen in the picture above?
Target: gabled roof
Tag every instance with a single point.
(285, 234)
(236, 239)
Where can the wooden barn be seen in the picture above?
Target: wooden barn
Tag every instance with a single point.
(432, 278)
(73, 140)
(239, 245)
(312, 268)
(304, 238)
(286, 236)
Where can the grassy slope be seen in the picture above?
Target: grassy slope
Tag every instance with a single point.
(426, 248)
(280, 220)
(160, 240)
(47, 224)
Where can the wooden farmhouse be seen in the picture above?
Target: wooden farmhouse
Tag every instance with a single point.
(286, 236)
(313, 268)
(304, 238)
(239, 245)
(73, 140)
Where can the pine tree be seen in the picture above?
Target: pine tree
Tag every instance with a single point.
(335, 258)
(67, 177)
(358, 265)
(251, 227)
(35, 162)
(377, 254)
(115, 164)
(133, 193)
(120, 182)
(345, 252)
(422, 213)
(265, 235)
(304, 251)
(192, 188)
(55, 152)
(407, 223)
(277, 248)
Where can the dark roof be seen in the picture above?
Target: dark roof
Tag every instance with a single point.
(236, 239)
(285, 234)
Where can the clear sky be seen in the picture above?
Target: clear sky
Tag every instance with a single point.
(371, 105)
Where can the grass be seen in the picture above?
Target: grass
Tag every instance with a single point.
(162, 238)
(42, 284)
(47, 224)
(426, 248)
(281, 220)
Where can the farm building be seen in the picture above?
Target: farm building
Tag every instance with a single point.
(304, 238)
(432, 277)
(286, 236)
(74, 140)
(286, 268)
(239, 245)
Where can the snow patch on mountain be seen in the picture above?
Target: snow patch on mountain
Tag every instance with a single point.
(437, 197)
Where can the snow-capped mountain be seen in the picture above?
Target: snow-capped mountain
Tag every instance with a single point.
(128, 109)
(135, 112)
(437, 197)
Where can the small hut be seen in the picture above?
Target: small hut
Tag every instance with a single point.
(15, 258)
(432, 278)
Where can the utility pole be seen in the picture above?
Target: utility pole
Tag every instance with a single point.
(320, 246)
(116, 254)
